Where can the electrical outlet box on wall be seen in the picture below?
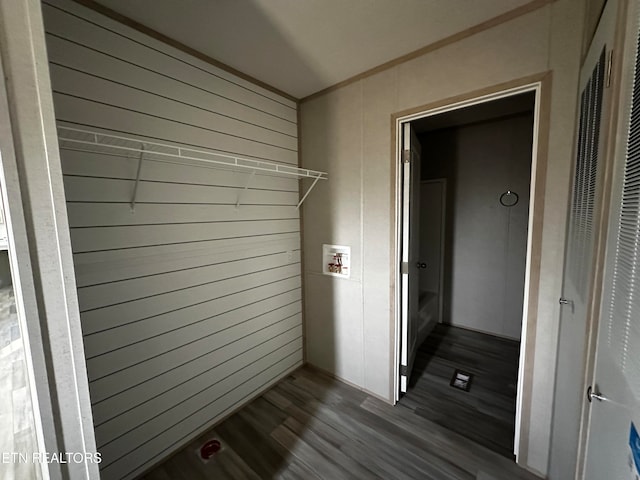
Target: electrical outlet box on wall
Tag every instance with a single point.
(336, 260)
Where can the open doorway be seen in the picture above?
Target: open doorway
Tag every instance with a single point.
(464, 241)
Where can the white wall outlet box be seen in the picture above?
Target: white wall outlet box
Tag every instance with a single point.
(336, 260)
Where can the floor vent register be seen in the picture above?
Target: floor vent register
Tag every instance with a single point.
(461, 380)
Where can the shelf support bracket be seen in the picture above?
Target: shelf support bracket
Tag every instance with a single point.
(135, 186)
(304, 197)
(246, 187)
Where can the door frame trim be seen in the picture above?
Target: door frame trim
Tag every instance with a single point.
(541, 85)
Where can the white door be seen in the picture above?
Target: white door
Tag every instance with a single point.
(410, 255)
(579, 266)
(432, 212)
(615, 388)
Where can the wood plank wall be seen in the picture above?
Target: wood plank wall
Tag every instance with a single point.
(189, 306)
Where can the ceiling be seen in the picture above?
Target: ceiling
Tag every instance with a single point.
(303, 46)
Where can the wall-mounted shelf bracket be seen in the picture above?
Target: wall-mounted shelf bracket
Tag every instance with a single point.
(135, 186)
(97, 142)
(246, 187)
(304, 197)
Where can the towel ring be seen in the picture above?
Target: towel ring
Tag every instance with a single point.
(506, 199)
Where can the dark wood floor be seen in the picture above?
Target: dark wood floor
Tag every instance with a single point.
(486, 413)
(311, 426)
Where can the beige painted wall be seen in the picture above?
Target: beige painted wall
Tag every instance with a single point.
(593, 11)
(350, 323)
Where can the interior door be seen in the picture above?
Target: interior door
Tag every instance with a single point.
(410, 256)
(579, 265)
(432, 211)
(614, 410)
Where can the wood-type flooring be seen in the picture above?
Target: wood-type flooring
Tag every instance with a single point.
(311, 426)
(486, 413)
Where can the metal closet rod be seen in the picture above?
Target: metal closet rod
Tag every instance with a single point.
(145, 148)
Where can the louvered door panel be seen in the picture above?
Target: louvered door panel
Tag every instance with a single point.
(585, 181)
(614, 415)
(623, 306)
(579, 265)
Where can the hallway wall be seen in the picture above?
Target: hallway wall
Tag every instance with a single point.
(347, 132)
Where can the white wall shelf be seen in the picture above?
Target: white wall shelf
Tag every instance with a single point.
(97, 142)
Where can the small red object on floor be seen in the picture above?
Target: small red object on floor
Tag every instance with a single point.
(209, 449)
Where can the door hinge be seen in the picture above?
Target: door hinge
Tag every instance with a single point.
(406, 156)
(403, 370)
(609, 68)
(404, 268)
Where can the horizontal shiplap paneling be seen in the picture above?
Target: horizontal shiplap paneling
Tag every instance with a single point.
(102, 296)
(71, 55)
(69, 82)
(132, 396)
(111, 238)
(83, 215)
(109, 117)
(87, 164)
(95, 268)
(91, 189)
(234, 390)
(191, 301)
(100, 34)
(218, 352)
(106, 384)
